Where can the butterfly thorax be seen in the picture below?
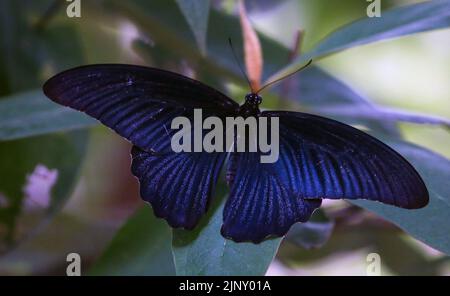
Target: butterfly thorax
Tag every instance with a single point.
(251, 105)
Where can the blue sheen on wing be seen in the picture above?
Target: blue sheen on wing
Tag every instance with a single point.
(139, 103)
(261, 203)
(319, 158)
(324, 158)
(178, 185)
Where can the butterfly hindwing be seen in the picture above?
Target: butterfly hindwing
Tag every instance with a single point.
(261, 203)
(177, 185)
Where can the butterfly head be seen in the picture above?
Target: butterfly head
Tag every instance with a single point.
(253, 99)
(250, 107)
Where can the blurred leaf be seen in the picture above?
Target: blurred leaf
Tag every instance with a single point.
(203, 251)
(312, 234)
(141, 247)
(31, 113)
(19, 158)
(397, 22)
(196, 13)
(429, 224)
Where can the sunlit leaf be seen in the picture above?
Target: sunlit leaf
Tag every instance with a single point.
(397, 22)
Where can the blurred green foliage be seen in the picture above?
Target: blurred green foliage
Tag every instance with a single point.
(38, 40)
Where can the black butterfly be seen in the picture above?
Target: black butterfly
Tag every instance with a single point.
(319, 157)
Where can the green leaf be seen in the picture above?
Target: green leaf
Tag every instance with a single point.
(196, 13)
(141, 247)
(31, 113)
(397, 22)
(429, 224)
(203, 251)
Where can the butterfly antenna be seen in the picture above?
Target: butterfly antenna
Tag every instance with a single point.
(286, 76)
(239, 64)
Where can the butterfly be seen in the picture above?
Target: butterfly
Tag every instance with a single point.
(319, 158)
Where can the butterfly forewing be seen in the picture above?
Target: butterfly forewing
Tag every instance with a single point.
(329, 159)
(137, 102)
